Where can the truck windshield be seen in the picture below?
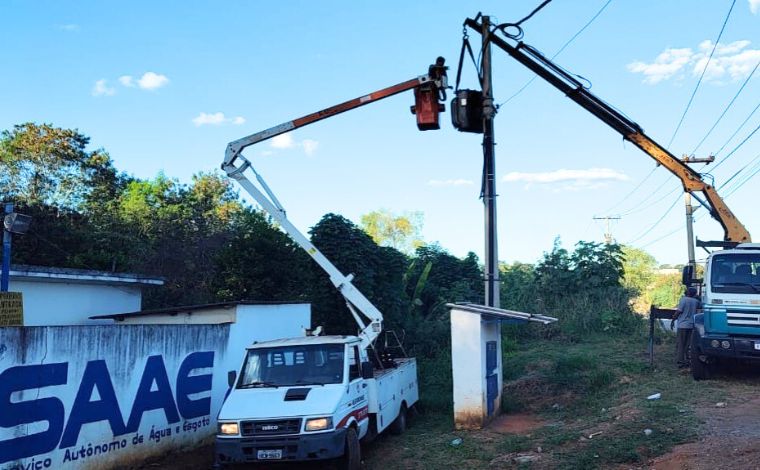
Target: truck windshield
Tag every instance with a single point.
(315, 364)
(736, 273)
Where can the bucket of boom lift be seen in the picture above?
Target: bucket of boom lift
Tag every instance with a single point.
(427, 107)
(426, 97)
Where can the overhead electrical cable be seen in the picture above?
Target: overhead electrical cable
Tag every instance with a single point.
(564, 46)
(654, 225)
(672, 232)
(707, 64)
(738, 129)
(723, 160)
(725, 110)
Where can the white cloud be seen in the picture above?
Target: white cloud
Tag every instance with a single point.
(283, 141)
(754, 6)
(216, 119)
(453, 182)
(667, 64)
(732, 61)
(69, 28)
(309, 146)
(563, 179)
(127, 81)
(286, 141)
(101, 88)
(152, 81)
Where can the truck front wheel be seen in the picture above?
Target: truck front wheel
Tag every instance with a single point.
(698, 363)
(352, 458)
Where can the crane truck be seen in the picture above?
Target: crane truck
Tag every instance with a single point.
(316, 397)
(728, 329)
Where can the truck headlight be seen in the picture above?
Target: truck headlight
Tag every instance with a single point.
(318, 424)
(228, 429)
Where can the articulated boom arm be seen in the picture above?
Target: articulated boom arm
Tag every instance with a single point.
(236, 164)
(692, 181)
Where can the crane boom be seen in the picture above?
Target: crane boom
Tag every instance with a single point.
(235, 165)
(692, 181)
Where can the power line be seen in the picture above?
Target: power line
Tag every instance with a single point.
(688, 105)
(739, 171)
(725, 110)
(632, 191)
(723, 160)
(645, 232)
(564, 46)
(738, 129)
(676, 230)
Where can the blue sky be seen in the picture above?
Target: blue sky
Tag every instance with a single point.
(165, 86)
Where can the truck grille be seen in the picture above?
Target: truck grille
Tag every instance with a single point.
(270, 427)
(742, 318)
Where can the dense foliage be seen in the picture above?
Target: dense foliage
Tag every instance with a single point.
(209, 246)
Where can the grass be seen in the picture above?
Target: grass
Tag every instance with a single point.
(593, 387)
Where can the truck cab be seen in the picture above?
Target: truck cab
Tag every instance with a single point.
(310, 398)
(729, 327)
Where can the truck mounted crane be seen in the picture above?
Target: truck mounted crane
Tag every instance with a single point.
(692, 181)
(728, 329)
(313, 398)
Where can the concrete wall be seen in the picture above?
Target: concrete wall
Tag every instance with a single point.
(64, 303)
(104, 395)
(469, 335)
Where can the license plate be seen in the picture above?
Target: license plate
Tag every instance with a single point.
(275, 454)
(757, 345)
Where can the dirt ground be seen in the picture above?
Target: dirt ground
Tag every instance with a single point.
(730, 439)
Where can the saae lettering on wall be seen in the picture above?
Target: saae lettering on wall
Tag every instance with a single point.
(153, 393)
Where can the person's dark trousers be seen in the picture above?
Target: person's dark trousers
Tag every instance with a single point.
(683, 339)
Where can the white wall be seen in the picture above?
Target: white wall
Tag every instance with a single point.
(64, 303)
(136, 390)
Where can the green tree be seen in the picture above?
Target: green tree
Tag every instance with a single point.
(378, 275)
(45, 165)
(402, 232)
(640, 269)
(260, 262)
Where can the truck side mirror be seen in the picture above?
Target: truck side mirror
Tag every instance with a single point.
(368, 371)
(687, 275)
(231, 376)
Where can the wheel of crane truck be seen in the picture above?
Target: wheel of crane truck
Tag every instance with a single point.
(700, 369)
(352, 456)
(398, 426)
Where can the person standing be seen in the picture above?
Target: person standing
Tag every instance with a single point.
(685, 311)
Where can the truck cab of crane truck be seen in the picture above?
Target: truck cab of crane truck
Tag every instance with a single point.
(729, 325)
(305, 399)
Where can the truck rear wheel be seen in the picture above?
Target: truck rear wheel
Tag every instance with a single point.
(700, 369)
(352, 456)
(398, 426)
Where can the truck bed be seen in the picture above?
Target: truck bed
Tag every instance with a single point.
(391, 388)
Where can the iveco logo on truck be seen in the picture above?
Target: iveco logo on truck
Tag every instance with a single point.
(270, 427)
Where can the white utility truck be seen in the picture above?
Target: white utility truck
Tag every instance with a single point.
(315, 397)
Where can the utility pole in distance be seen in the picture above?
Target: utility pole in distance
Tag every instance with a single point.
(489, 173)
(608, 233)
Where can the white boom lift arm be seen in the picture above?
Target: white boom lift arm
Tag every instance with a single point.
(235, 165)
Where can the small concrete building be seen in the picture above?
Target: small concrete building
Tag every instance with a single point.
(63, 296)
(476, 360)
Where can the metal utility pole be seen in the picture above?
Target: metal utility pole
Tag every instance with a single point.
(608, 233)
(690, 232)
(690, 212)
(489, 173)
(6, 269)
